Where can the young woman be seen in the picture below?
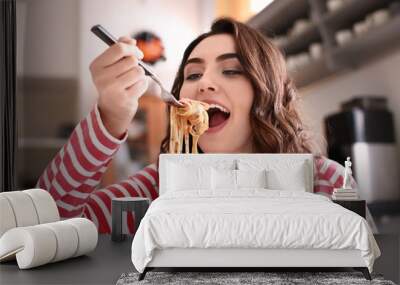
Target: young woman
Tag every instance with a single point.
(234, 68)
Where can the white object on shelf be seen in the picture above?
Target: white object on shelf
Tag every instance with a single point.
(360, 28)
(300, 26)
(343, 37)
(369, 22)
(316, 50)
(380, 17)
(291, 63)
(334, 5)
(279, 40)
(298, 60)
(372, 20)
(303, 59)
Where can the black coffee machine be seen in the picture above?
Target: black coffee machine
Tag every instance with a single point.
(364, 130)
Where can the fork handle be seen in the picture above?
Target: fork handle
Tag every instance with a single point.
(109, 39)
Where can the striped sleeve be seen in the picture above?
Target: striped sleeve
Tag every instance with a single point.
(144, 183)
(328, 175)
(78, 167)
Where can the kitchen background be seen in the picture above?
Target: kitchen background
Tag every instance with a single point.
(344, 56)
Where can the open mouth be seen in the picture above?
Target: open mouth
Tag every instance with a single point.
(217, 116)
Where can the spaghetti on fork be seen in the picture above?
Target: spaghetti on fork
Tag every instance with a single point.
(191, 119)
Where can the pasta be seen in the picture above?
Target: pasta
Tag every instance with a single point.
(192, 119)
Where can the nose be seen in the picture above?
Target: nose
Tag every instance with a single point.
(203, 89)
(206, 85)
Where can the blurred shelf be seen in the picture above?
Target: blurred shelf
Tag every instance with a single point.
(354, 10)
(269, 22)
(277, 19)
(375, 42)
(301, 41)
(41, 143)
(314, 71)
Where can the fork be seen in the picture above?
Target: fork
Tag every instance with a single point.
(109, 39)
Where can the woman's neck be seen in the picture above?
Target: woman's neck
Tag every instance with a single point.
(246, 148)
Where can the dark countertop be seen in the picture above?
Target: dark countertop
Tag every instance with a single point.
(110, 259)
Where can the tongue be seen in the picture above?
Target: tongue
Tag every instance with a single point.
(216, 119)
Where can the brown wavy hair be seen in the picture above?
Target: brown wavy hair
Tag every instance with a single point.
(275, 122)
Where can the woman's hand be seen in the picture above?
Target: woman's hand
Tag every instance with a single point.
(120, 82)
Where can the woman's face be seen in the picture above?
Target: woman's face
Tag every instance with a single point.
(213, 74)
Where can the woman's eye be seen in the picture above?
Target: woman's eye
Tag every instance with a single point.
(231, 72)
(193, 76)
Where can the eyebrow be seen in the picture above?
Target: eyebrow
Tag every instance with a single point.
(221, 57)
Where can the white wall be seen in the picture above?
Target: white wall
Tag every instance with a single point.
(380, 77)
(177, 22)
(50, 40)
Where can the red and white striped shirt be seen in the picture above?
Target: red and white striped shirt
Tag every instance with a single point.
(73, 176)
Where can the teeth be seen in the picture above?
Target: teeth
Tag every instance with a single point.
(219, 108)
